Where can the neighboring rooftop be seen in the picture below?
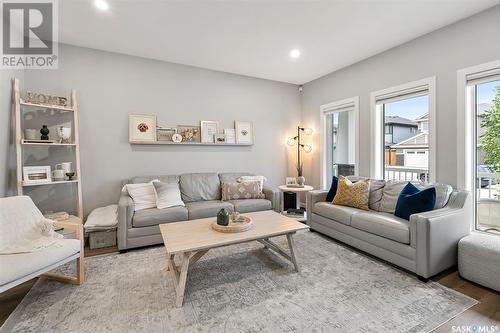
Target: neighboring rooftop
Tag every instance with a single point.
(400, 121)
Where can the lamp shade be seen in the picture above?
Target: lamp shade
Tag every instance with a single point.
(291, 142)
(308, 131)
(307, 148)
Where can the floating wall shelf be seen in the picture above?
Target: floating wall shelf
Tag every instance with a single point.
(187, 143)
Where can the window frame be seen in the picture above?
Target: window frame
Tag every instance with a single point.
(467, 79)
(377, 122)
(343, 105)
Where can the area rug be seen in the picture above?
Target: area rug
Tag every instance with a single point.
(241, 288)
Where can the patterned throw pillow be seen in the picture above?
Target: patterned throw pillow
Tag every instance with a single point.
(244, 190)
(352, 194)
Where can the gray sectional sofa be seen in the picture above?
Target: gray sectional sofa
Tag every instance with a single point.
(201, 192)
(425, 245)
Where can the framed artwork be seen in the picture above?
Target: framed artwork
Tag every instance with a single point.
(244, 132)
(220, 138)
(189, 133)
(142, 127)
(165, 133)
(208, 130)
(37, 174)
(291, 181)
(230, 135)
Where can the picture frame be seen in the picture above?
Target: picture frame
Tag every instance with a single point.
(165, 133)
(230, 135)
(244, 132)
(208, 130)
(290, 181)
(189, 133)
(37, 174)
(142, 127)
(220, 138)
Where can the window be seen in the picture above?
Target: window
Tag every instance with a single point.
(339, 139)
(487, 158)
(406, 152)
(479, 106)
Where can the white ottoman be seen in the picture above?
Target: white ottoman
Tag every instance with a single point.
(479, 259)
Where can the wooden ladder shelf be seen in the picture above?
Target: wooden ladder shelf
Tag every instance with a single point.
(18, 105)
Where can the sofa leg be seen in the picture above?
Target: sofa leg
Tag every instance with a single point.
(123, 251)
(312, 230)
(421, 278)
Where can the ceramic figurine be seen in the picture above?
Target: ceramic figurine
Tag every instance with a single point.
(223, 217)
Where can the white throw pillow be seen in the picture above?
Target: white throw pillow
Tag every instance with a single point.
(143, 195)
(167, 195)
(260, 179)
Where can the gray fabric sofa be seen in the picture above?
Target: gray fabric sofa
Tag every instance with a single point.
(201, 192)
(425, 245)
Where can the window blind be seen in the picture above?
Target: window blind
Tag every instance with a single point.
(340, 108)
(483, 76)
(402, 94)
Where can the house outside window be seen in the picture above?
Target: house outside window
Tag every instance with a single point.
(407, 151)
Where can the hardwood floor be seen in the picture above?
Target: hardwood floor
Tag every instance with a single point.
(485, 313)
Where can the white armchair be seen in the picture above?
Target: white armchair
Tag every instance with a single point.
(20, 218)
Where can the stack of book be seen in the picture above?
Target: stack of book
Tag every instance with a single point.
(296, 212)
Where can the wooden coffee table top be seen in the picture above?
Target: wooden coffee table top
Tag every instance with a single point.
(197, 235)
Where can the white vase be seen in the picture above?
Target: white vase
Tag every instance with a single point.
(301, 180)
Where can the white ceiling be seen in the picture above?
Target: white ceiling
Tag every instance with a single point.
(254, 38)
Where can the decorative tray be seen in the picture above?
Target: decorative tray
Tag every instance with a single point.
(244, 223)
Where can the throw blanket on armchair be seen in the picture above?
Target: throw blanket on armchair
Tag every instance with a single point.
(23, 228)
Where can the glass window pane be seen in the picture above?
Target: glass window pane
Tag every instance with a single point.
(487, 184)
(406, 145)
(340, 143)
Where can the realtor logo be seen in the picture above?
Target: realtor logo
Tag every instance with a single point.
(29, 34)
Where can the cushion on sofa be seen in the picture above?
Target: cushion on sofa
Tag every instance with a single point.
(352, 194)
(16, 266)
(155, 216)
(143, 195)
(392, 189)
(251, 205)
(383, 224)
(376, 190)
(412, 201)
(245, 190)
(338, 213)
(202, 209)
(167, 195)
(333, 189)
(199, 187)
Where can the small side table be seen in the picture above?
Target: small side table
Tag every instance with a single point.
(297, 190)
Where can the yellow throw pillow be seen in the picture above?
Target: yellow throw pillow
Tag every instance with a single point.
(352, 194)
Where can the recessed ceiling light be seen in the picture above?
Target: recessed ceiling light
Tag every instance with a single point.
(294, 54)
(101, 4)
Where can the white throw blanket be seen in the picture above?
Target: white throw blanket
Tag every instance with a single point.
(103, 218)
(23, 228)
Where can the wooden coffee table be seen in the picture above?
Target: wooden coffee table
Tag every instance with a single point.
(192, 239)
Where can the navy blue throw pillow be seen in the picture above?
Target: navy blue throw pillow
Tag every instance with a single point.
(333, 189)
(411, 200)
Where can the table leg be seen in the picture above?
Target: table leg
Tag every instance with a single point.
(291, 245)
(297, 200)
(182, 280)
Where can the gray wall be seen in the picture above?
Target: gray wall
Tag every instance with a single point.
(470, 42)
(7, 148)
(111, 85)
